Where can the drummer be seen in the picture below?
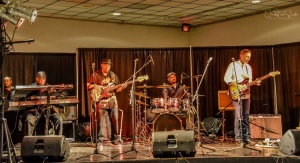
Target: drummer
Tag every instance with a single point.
(177, 90)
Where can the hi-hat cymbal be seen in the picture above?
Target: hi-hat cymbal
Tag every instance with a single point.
(140, 102)
(141, 94)
(163, 86)
(144, 86)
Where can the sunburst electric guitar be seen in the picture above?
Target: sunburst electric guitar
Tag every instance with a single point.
(234, 92)
(101, 92)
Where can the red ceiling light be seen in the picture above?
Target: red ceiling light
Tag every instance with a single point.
(185, 27)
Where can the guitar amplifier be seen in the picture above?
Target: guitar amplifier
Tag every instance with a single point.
(265, 126)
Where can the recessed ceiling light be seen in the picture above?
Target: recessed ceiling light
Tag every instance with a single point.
(116, 13)
(255, 1)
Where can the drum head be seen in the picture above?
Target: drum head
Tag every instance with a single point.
(167, 122)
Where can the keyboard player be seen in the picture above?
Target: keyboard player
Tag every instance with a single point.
(33, 114)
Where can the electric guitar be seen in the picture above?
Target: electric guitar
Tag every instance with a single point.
(234, 92)
(102, 92)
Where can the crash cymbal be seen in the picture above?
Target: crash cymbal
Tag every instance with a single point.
(163, 86)
(141, 94)
(144, 86)
(140, 102)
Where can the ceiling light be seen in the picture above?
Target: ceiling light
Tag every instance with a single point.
(255, 1)
(116, 13)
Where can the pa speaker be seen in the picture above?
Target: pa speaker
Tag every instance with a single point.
(290, 142)
(39, 148)
(173, 143)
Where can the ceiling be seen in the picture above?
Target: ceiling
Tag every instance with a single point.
(171, 13)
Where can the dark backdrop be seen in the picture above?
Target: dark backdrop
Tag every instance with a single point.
(60, 68)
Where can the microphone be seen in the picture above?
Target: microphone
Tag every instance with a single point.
(152, 59)
(181, 76)
(209, 59)
(93, 66)
(136, 60)
(232, 59)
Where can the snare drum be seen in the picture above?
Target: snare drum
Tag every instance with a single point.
(167, 122)
(173, 104)
(158, 105)
(186, 104)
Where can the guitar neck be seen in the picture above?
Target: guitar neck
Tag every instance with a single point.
(261, 79)
(118, 86)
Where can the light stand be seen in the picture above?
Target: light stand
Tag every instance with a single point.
(133, 104)
(197, 101)
(4, 130)
(243, 145)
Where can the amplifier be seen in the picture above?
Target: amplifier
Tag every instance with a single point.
(265, 126)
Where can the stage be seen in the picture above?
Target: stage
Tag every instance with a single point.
(108, 152)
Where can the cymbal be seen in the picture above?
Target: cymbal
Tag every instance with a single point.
(163, 86)
(141, 94)
(140, 102)
(144, 86)
(185, 87)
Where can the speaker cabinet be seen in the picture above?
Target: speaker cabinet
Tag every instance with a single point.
(265, 126)
(38, 148)
(290, 142)
(173, 143)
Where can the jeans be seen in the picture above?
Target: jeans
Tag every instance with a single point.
(245, 109)
(32, 118)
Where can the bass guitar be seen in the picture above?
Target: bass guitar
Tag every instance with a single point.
(102, 92)
(234, 92)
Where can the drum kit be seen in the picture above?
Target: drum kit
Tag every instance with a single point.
(162, 114)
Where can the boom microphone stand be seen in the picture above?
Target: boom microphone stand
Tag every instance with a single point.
(243, 145)
(197, 101)
(133, 105)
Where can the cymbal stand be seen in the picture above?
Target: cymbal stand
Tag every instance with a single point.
(146, 131)
(133, 104)
(196, 96)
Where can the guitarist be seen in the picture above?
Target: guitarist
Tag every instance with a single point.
(107, 101)
(243, 71)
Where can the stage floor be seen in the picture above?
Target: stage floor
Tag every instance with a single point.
(212, 152)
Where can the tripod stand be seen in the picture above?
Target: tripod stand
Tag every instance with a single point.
(198, 112)
(239, 107)
(5, 134)
(133, 104)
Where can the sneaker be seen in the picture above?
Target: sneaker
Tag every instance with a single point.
(251, 143)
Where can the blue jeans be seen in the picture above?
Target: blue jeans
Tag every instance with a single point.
(245, 108)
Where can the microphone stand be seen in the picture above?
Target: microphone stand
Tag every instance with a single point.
(243, 145)
(197, 101)
(133, 105)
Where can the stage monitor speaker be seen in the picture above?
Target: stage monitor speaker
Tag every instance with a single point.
(265, 126)
(212, 125)
(173, 143)
(41, 148)
(290, 142)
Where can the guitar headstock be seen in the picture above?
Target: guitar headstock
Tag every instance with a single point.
(274, 73)
(142, 78)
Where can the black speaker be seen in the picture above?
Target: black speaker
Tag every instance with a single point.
(40, 148)
(290, 142)
(173, 143)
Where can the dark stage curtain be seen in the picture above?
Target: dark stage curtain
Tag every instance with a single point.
(178, 60)
(287, 58)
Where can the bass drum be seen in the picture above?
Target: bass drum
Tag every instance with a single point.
(167, 122)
